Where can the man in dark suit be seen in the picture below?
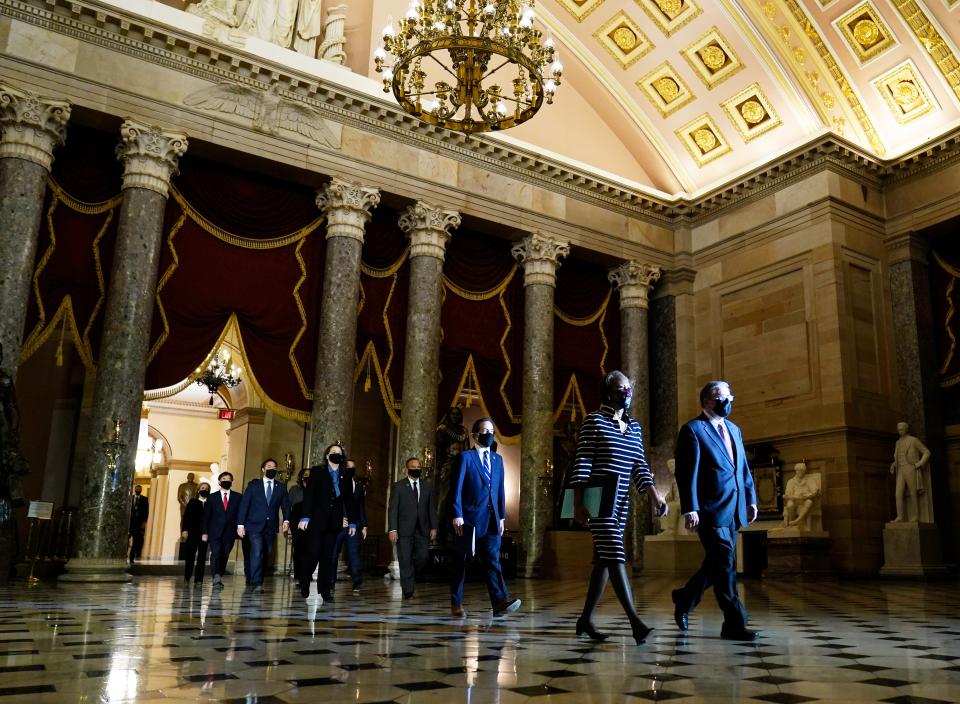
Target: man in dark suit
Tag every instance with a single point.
(478, 508)
(412, 522)
(191, 528)
(139, 510)
(359, 534)
(717, 498)
(220, 526)
(328, 508)
(262, 501)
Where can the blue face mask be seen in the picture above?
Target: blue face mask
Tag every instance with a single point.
(485, 439)
(723, 406)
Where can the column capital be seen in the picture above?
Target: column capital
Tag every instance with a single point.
(634, 279)
(540, 255)
(347, 207)
(428, 228)
(149, 155)
(33, 126)
(908, 246)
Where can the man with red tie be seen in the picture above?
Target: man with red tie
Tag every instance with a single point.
(220, 526)
(717, 498)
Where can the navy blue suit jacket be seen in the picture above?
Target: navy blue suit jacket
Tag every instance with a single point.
(470, 495)
(254, 514)
(217, 523)
(717, 488)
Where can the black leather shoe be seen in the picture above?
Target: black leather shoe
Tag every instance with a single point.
(507, 606)
(738, 634)
(407, 596)
(327, 598)
(680, 616)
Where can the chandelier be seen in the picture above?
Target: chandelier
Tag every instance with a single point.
(469, 65)
(219, 373)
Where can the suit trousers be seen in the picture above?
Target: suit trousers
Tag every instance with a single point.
(194, 559)
(352, 554)
(219, 553)
(488, 551)
(719, 571)
(321, 550)
(412, 554)
(136, 543)
(259, 545)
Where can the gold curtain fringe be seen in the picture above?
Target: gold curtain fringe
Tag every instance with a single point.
(588, 320)
(79, 206)
(386, 393)
(41, 334)
(390, 270)
(470, 369)
(307, 394)
(174, 263)
(481, 295)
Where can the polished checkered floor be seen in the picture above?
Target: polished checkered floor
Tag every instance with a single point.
(155, 640)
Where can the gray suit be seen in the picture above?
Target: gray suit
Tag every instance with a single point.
(413, 520)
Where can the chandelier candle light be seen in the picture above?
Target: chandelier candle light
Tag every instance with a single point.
(469, 65)
(219, 373)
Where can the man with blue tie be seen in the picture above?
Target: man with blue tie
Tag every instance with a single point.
(478, 507)
(257, 520)
(717, 498)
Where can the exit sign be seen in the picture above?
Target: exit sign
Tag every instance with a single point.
(227, 413)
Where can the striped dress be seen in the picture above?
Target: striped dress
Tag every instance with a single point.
(602, 448)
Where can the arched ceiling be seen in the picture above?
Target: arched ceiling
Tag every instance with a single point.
(683, 95)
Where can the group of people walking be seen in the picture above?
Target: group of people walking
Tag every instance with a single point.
(325, 509)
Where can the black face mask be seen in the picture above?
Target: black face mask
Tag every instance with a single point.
(226, 484)
(621, 398)
(415, 473)
(349, 472)
(204, 493)
(485, 439)
(722, 407)
(271, 473)
(335, 458)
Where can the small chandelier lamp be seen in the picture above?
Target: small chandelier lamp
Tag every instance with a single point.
(219, 373)
(469, 65)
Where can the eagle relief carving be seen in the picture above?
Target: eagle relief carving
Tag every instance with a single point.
(269, 112)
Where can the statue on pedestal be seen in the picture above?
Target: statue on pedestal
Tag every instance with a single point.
(187, 491)
(801, 497)
(451, 441)
(672, 523)
(911, 465)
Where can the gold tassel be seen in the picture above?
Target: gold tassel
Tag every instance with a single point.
(63, 324)
(366, 383)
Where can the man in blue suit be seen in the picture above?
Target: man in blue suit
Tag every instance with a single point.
(263, 499)
(717, 498)
(220, 526)
(478, 508)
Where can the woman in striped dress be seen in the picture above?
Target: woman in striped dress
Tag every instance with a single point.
(610, 442)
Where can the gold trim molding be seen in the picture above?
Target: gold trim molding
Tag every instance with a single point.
(670, 16)
(905, 92)
(929, 36)
(866, 34)
(703, 140)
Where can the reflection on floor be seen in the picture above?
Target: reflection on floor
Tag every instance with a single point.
(157, 640)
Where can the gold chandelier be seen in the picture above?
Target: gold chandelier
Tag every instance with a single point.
(469, 65)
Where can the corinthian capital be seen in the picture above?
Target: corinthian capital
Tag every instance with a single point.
(33, 126)
(149, 156)
(347, 207)
(634, 279)
(428, 228)
(540, 256)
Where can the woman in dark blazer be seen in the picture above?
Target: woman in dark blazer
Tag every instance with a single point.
(327, 510)
(610, 452)
(299, 537)
(191, 528)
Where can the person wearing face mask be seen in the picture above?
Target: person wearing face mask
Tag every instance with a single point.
(610, 453)
(139, 510)
(412, 524)
(478, 510)
(354, 538)
(220, 525)
(257, 520)
(298, 537)
(717, 498)
(191, 528)
(327, 509)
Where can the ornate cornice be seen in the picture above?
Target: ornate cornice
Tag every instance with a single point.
(428, 228)
(540, 256)
(149, 156)
(634, 280)
(33, 126)
(347, 207)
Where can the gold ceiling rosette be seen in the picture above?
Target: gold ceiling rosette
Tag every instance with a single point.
(469, 65)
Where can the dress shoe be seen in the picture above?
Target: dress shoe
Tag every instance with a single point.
(457, 611)
(327, 597)
(738, 634)
(640, 632)
(305, 591)
(680, 616)
(218, 586)
(257, 589)
(592, 633)
(507, 606)
(217, 579)
(407, 595)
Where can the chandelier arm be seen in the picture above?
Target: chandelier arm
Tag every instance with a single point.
(438, 62)
(493, 71)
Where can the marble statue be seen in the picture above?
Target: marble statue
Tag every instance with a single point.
(331, 48)
(911, 465)
(187, 491)
(800, 498)
(451, 441)
(672, 523)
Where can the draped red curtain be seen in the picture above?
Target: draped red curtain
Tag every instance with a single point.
(945, 295)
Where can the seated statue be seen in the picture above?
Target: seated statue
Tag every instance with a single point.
(801, 496)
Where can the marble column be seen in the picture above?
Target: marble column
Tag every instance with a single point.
(149, 157)
(428, 228)
(634, 280)
(32, 128)
(540, 256)
(347, 208)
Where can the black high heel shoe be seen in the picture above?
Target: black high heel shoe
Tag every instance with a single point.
(592, 633)
(640, 632)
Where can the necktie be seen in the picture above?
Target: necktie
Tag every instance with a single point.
(726, 439)
(269, 492)
(485, 456)
(416, 492)
(225, 501)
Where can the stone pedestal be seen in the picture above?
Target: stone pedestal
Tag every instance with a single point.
(669, 555)
(540, 256)
(912, 550)
(795, 553)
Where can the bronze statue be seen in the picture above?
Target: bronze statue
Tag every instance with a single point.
(451, 441)
(187, 491)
